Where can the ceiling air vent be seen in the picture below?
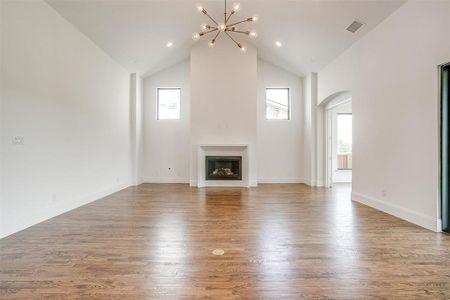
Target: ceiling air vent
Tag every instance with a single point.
(354, 26)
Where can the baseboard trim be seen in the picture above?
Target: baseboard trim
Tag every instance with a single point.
(315, 183)
(165, 180)
(398, 211)
(280, 180)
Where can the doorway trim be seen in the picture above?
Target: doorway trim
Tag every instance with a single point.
(444, 154)
(329, 136)
(321, 151)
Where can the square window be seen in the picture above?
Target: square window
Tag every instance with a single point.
(277, 104)
(168, 103)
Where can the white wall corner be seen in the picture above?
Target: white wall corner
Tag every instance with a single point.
(308, 182)
(253, 183)
(398, 211)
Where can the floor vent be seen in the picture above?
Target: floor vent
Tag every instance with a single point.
(218, 252)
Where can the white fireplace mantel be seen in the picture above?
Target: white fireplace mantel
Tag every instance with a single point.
(204, 150)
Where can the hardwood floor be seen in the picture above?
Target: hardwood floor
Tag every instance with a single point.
(280, 241)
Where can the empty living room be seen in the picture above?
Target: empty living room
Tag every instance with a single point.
(186, 149)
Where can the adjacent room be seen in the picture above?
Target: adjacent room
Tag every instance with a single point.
(156, 149)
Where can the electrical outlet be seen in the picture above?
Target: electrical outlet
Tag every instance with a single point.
(17, 140)
(169, 170)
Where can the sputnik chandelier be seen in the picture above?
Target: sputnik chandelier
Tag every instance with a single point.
(225, 27)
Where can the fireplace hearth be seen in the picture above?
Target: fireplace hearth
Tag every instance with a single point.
(223, 168)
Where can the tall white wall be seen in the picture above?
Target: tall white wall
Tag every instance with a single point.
(279, 142)
(167, 142)
(392, 74)
(223, 99)
(70, 103)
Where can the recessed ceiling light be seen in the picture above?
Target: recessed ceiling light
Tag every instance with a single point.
(169, 44)
(278, 44)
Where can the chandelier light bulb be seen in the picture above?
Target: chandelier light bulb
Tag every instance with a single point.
(195, 36)
(222, 27)
(200, 8)
(243, 49)
(212, 43)
(204, 26)
(236, 7)
(254, 19)
(253, 34)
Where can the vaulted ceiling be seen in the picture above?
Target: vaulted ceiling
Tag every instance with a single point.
(135, 33)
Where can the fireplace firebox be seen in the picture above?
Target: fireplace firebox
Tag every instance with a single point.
(223, 168)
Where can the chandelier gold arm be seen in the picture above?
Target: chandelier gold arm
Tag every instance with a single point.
(237, 43)
(243, 21)
(206, 14)
(215, 37)
(208, 31)
(229, 16)
(238, 31)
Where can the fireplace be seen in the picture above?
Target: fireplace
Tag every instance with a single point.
(223, 168)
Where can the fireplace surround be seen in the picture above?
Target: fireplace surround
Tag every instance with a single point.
(221, 150)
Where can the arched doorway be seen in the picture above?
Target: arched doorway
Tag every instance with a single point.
(337, 133)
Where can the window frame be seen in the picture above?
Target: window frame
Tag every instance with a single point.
(289, 102)
(157, 103)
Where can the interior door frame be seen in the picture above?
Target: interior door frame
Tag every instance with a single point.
(329, 138)
(444, 147)
(328, 148)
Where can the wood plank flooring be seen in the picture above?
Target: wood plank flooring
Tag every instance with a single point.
(280, 241)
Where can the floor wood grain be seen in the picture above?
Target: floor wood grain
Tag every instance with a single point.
(280, 241)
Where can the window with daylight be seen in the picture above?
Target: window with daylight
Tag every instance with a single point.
(168, 103)
(277, 104)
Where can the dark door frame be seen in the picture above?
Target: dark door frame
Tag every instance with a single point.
(445, 146)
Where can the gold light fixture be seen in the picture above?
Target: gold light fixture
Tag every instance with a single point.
(225, 27)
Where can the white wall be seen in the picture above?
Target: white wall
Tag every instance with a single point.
(167, 142)
(392, 74)
(279, 142)
(223, 99)
(70, 103)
